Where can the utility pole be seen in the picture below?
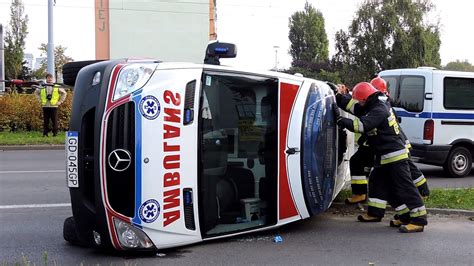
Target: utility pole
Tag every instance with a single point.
(2, 62)
(276, 56)
(50, 39)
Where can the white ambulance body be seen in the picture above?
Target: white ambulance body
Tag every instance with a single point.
(168, 154)
(436, 112)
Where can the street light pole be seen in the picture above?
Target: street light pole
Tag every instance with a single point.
(2, 62)
(276, 56)
(50, 39)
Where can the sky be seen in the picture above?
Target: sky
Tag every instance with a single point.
(259, 28)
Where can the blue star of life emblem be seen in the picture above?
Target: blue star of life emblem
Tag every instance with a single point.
(149, 107)
(149, 211)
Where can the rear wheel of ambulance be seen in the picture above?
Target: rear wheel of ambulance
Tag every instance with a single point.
(69, 231)
(459, 162)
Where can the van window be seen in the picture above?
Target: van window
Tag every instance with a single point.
(458, 93)
(411, 96)
(392, 85)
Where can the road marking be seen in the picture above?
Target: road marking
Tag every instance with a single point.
(54, 205)
(29, 172)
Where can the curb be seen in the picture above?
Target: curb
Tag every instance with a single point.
(468, 213)
(31, 147)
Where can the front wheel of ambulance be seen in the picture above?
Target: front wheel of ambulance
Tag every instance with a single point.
(459, 162)
(69, 231)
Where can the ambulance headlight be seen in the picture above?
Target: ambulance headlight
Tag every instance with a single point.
(131, 237)
(133, 77)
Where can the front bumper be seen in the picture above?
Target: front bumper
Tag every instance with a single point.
(430, 154)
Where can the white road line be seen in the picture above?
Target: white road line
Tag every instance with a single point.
(55, 205)
(30, 172)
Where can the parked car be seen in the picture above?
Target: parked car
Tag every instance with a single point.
(166, 154)
(436, 109)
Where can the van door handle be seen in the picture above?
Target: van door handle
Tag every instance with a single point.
(292, 151)
(399, 119)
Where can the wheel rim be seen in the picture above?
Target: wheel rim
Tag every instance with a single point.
(459, 163)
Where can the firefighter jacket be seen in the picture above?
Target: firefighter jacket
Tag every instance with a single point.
(377, 121)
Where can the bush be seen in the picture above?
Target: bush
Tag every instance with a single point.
(24, 112)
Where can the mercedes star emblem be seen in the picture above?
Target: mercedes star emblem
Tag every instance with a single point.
(120, 159)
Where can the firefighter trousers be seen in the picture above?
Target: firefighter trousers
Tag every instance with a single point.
(360, 164)
(391, 183)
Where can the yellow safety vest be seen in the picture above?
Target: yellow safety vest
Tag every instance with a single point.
(54, 96)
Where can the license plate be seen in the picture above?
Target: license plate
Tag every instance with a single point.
(71, 158)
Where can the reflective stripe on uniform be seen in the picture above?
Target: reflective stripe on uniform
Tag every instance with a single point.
(402, 209)
(419, 181)
(377, 203)
(407, 144)
(394, 156)
(359, 180)
(358, 126)
(391, 120)
(417, 212)
(350, 106)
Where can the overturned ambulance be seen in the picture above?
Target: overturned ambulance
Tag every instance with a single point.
(164, 154)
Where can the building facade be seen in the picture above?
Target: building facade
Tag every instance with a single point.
(161, 29)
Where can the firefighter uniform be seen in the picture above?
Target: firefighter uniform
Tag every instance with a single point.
(390, 178)
(363, 159)
(360, 164)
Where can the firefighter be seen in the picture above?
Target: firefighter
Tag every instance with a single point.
(417, 176)
(390, 178)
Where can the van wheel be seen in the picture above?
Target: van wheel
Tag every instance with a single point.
(69, 231)
(459, 162)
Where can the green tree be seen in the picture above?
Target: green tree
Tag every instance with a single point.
(387, 34)
(60, 58)
(15, 39)
(307, 35)
(459, 66)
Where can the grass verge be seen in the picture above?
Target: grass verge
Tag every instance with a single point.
(30, 138)
(462, 198)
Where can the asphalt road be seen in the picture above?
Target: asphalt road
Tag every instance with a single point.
(34, 203)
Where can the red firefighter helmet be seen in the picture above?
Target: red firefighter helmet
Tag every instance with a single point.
(380, 84)
(362, 91)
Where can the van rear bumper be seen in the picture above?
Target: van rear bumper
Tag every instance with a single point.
(430, 154)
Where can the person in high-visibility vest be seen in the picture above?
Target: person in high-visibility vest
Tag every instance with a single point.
(50, 97)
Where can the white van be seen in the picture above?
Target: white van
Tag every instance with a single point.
(436, 111)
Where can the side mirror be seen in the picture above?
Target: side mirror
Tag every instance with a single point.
(217, 50)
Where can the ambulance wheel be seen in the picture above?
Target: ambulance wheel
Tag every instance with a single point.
(459, 162)
(71, 69)
(69, 231)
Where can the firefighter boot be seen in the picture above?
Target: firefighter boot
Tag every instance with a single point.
(356, 199)
(366, 218)
(411, 228)
(396, 223)
(399, 220)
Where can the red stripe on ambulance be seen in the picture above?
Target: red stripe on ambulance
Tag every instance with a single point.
(171, 158)
(287, 207)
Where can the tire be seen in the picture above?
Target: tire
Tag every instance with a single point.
(69, 231)
(71, 69)
(459, 162)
